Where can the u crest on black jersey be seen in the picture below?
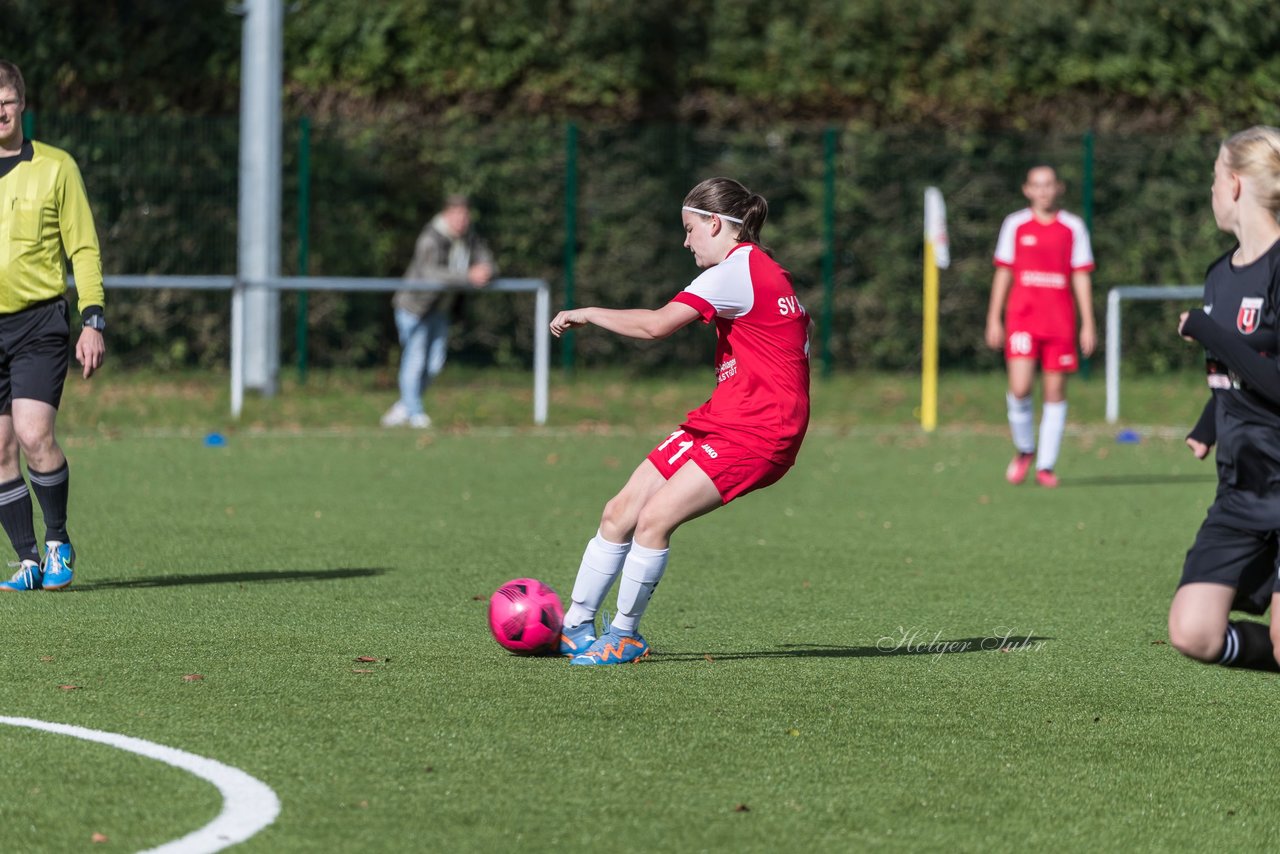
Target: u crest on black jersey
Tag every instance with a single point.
(1248, 315)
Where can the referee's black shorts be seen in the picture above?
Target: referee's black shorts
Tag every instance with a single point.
(1236, 557)
(35, 350)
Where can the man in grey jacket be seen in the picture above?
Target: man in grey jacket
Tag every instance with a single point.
(448, 252)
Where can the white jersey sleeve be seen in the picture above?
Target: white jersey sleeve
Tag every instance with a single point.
(727, 285)
(1005, 243)
(1081, 249)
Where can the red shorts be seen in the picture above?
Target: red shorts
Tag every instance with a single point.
(734, 470)
(1054, 354)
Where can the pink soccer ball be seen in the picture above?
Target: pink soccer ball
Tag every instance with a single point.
(525, 616)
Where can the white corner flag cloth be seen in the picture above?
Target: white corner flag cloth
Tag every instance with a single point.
(935, 226)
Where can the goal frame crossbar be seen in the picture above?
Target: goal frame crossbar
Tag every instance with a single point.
(540, 289)
(1115, 297)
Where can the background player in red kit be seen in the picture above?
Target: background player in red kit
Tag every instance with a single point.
(1043, 262)
(744, 438)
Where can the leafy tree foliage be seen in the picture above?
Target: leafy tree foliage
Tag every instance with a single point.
(125, 56)
(411, 100)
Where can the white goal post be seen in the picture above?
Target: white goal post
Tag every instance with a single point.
(539, 288)
(1133, 292)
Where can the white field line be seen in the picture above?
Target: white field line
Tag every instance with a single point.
(248, 804)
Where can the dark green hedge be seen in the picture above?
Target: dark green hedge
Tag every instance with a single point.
(165, 196)
(1053, 64)
(410, 100)
(972, 63)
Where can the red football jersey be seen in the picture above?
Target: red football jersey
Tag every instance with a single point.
(1043, 257)
(761, 400)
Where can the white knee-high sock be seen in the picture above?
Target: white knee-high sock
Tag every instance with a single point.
(640, 575)
(601, 563)
(1053, 422)
(1021, 422)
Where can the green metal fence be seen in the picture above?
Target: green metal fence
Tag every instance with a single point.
(595, 210)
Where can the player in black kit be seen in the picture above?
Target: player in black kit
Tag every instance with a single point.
(1233, 563)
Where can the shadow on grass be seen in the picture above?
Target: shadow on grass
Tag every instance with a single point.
(1138, 479)
(934, 647)
(225, 578)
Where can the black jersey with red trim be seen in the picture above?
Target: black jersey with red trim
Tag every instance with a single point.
(1240, 328)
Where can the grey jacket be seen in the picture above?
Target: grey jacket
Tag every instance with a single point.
(440, 257)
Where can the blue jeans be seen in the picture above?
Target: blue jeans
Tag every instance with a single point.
(424, 342)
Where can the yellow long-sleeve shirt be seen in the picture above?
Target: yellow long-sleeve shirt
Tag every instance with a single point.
(44, 216)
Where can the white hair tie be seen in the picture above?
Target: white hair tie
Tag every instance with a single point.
(709, 213)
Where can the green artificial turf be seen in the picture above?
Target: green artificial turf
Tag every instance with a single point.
(467, 398)
(891, 649)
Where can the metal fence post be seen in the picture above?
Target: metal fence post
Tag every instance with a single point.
(304, 244)
(829, 245)
(258, 224)
(1086, 189)
(237, 348)
(1113, 356)
(541, 351)
(570, 234)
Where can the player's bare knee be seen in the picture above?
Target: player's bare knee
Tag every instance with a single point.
(37, 443)
(1190, 635)
(1020, 390)
(1195, 642)
(654, 525)
(1198, 650)
(617, 522)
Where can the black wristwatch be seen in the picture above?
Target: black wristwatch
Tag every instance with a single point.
(95, 321)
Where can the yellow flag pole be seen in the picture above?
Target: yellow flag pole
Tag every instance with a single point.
(929, 355)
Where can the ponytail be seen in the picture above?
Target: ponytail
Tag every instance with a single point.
(727, 197)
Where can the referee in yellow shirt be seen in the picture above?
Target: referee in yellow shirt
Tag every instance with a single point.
(44, 220)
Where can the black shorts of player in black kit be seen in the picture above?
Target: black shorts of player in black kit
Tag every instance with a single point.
(35, 350)
(1235, 557)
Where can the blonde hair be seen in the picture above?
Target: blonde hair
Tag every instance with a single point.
(1256, 153)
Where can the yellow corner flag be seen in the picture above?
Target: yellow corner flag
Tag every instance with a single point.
(937, 254)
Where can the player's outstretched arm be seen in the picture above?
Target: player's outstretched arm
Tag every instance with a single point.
(629, 322)
(1260, 372)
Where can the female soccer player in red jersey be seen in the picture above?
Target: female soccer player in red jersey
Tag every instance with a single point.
(744, 438)
(1043, 266)
(1233, 563)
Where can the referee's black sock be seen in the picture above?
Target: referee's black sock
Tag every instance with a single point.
(1248, 644)
(51, 489)
(15, 518)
